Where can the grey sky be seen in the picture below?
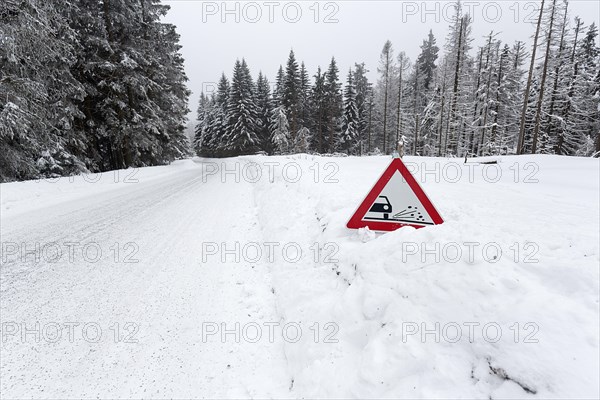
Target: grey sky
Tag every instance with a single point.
(215, 33)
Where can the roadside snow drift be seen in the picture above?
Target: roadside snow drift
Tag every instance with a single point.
(238, 278)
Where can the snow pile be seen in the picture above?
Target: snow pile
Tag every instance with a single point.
(499, 301)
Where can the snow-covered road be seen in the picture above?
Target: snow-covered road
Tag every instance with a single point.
(150, 275)
(237, 278)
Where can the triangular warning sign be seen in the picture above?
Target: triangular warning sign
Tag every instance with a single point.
(395, 201)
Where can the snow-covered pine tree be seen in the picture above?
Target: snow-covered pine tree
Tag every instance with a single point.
(202, 117)
(403, 67)
(427, 59)
(242, 114)
(502, 105)
(529, 122)
(458, 45)
(280, 130)
(528, 89)
(486, 97)
(333, 106)
(217, 124)
(104, 83)
(265, 110)
(364, 92)
(423, 120)
(384, 91)
(170, 94)
(291, 94)
(348, 141)
(136, 100)
(513, 86)
(426, 101)
(303, 139)
(433, 145)
(304, 106)
(587, 94)
(550, 32)
(279, 88)
(319, 112)
(553, 121)
(112, 72)
(211, 127)
(38, 93)
(568, 138)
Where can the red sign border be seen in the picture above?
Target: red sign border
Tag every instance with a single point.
(357, 222)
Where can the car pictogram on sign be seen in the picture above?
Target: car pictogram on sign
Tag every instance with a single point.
(382, 206)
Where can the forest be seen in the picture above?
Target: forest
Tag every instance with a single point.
(89, 86)
(97, 85)
(537, 96)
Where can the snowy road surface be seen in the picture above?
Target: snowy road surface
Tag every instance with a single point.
(238, 278)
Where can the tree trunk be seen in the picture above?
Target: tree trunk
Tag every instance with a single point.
(385, 107)
(476, 108)
(417, 127)
(521, 142)
(370, 124)
(553, 99)
(398, 111)
(456, 82)
(487, 96)
(538, 111)
(493, 136)
(416, 108)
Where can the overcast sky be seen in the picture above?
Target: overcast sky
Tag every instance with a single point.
(215, 33)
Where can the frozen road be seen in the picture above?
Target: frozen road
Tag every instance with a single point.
(121, 275)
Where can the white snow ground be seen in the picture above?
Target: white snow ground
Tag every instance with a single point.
(430, 313)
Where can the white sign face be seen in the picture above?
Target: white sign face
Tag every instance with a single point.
(398, 203)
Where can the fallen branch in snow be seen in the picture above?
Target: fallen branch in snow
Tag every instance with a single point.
(500, 372)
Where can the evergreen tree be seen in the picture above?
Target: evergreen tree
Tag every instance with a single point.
(528, 89)
(402, 72)
(242, 113)
(171, 95)
(486, 97)
(550, 31)
(303, 140)
(304, 107)
(588, 99)
(553, 122)
(426, 60)
(457, 53)
(136, 100)
(265, 110)
(291, 94)
(421, 82)
(333, 106)
(38, 93)
(319, 111)
(280, 130)
(384, 90)
(364, 91)
(214, 143)
(349, 136)
(202, 118)
(278, 93)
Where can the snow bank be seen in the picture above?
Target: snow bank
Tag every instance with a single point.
(499, 301)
